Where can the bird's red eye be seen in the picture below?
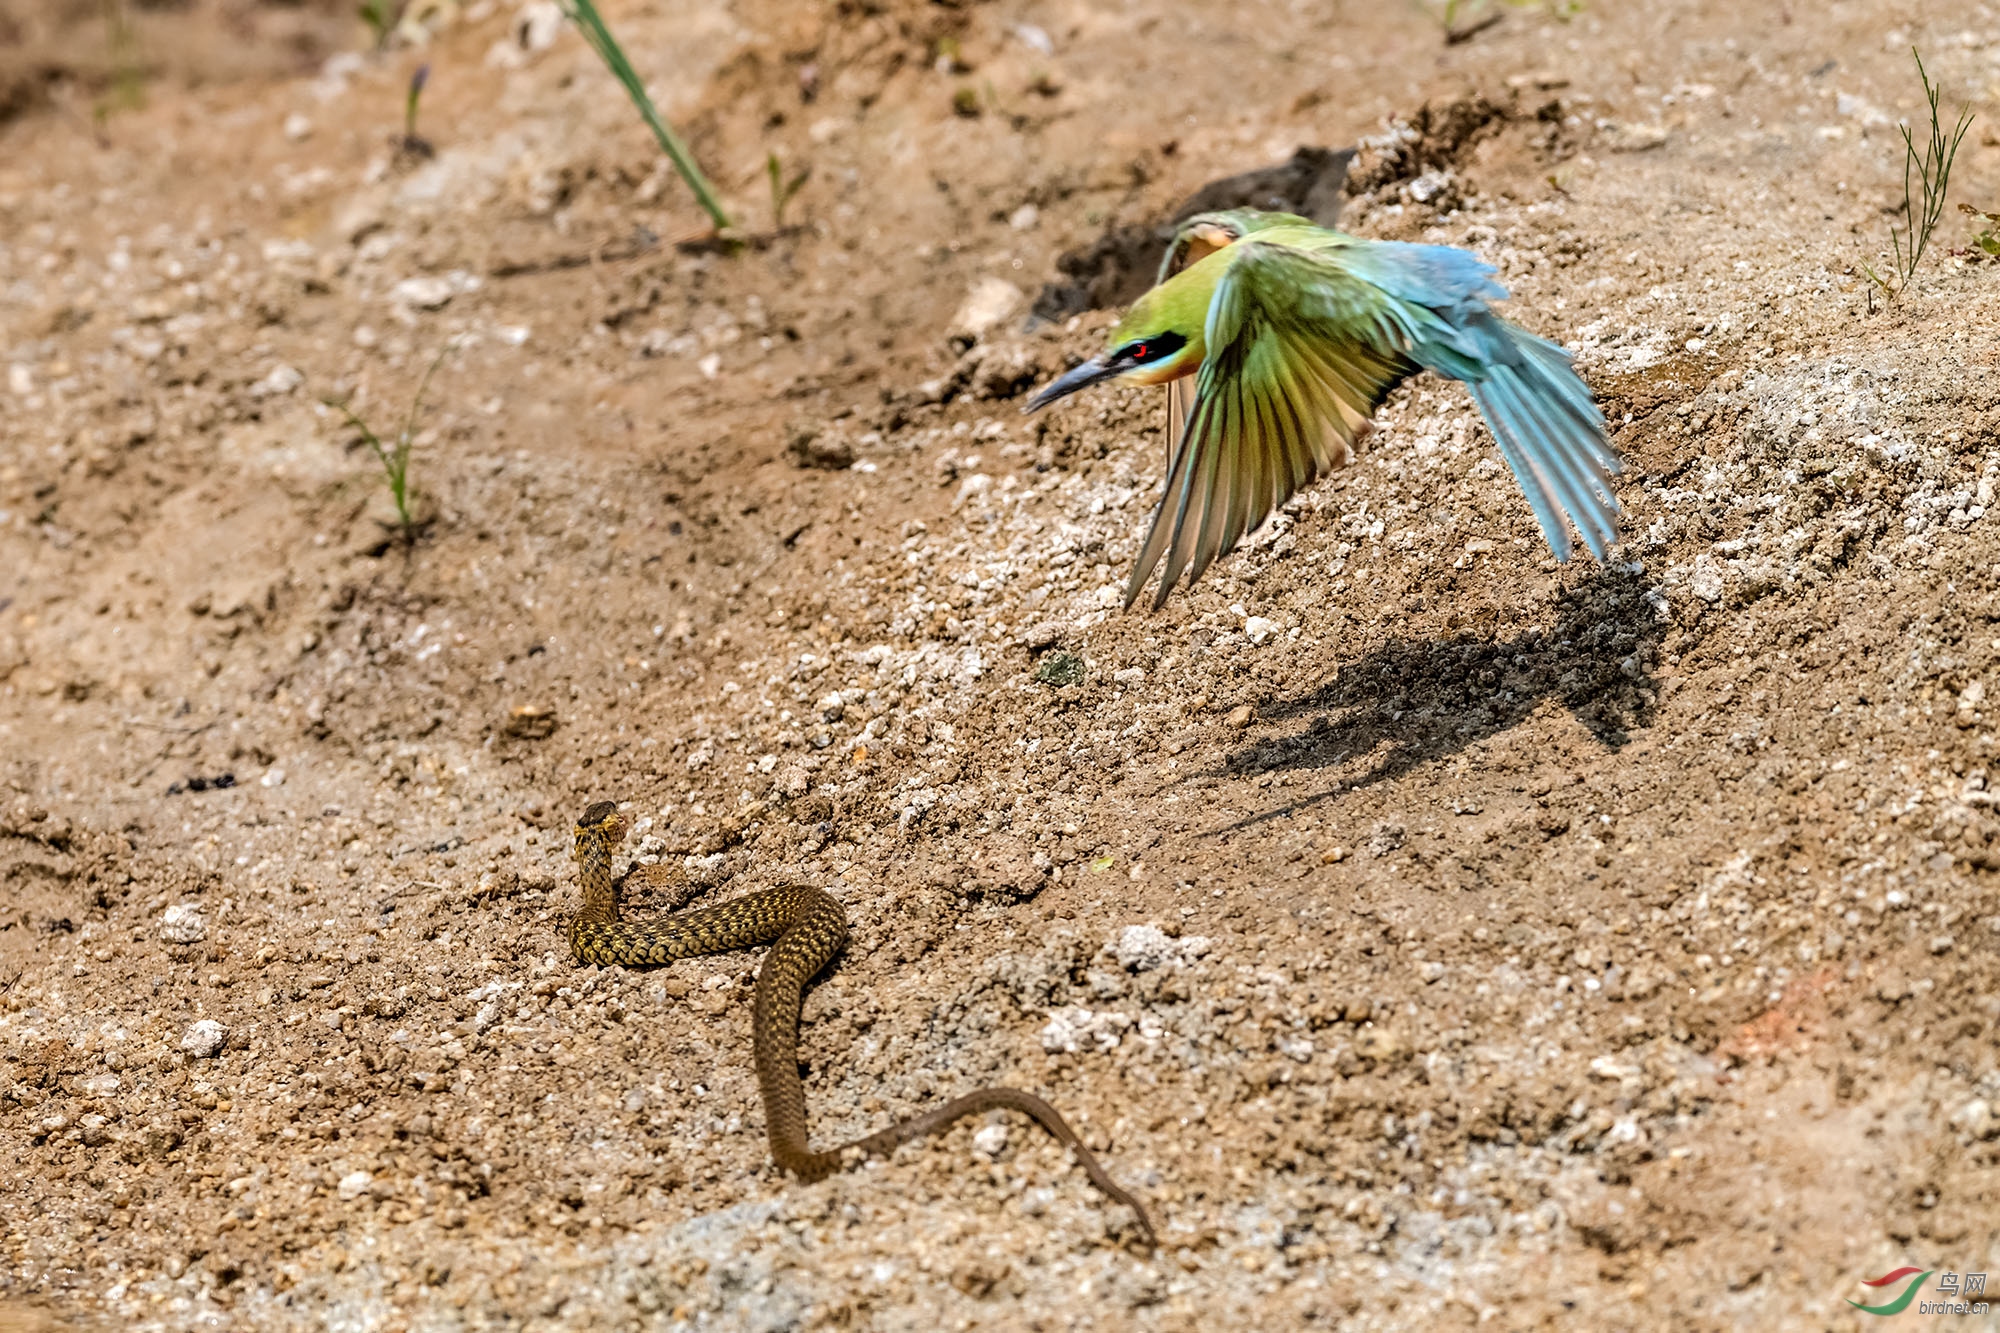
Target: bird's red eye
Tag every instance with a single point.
(1153, 348)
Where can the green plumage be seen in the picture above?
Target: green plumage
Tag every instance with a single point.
(1293, 335)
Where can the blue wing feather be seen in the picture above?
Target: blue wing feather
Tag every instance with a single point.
(1549, 429)
(1306, 331)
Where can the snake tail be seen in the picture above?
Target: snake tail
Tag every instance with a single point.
(806, 927)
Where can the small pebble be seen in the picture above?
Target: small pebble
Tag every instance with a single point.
(424, 293)
(183, 923)
(1144, 948)
(204, 1039)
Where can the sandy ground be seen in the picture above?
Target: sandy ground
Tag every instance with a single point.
(1436, 937)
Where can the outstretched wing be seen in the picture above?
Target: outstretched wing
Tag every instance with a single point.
(1541, 415)
(1300, 353)
(1195, 239)
(1180, 397)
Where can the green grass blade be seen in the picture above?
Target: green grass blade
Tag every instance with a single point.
(590, 23)
(1926, 178)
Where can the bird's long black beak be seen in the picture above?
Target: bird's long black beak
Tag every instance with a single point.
(1081, 377)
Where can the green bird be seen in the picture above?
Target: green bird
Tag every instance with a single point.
(1293, 335)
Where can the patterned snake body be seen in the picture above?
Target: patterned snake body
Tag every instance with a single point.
(809, 928)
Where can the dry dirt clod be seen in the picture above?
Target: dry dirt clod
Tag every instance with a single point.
(204, 1039)
(531, 721)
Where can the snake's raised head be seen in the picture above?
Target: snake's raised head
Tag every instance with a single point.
(601, 820)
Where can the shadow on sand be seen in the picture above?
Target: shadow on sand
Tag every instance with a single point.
(1426, 699)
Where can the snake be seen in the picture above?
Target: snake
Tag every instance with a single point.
(806, 927)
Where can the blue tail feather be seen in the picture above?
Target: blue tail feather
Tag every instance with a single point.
(1522, 462)
(1547, 426)
(1565, 453)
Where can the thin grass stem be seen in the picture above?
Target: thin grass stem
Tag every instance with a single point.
(1926, 176)
(591, 24)
(395, 458)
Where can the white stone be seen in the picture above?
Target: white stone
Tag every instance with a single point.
(793, 781)
(204, 1038)
(183, 923)
(1707, 580)
(282, 253)
(1847, 104)
(536, 25)
(989, 1140)
(975, 485)
(335, 73)
(1428, 186)
(990, 301)
(1075, 1030)
(1977, 1119)
(298, 127)
(424, 293)
(1635, 138)
(1260, 630)
(1144, 948)
(1035, 38)
(354, 1184)
(281, 380)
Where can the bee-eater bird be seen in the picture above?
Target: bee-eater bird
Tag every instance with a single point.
(1294, 334)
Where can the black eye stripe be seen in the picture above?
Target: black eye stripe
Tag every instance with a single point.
(1151, 349)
